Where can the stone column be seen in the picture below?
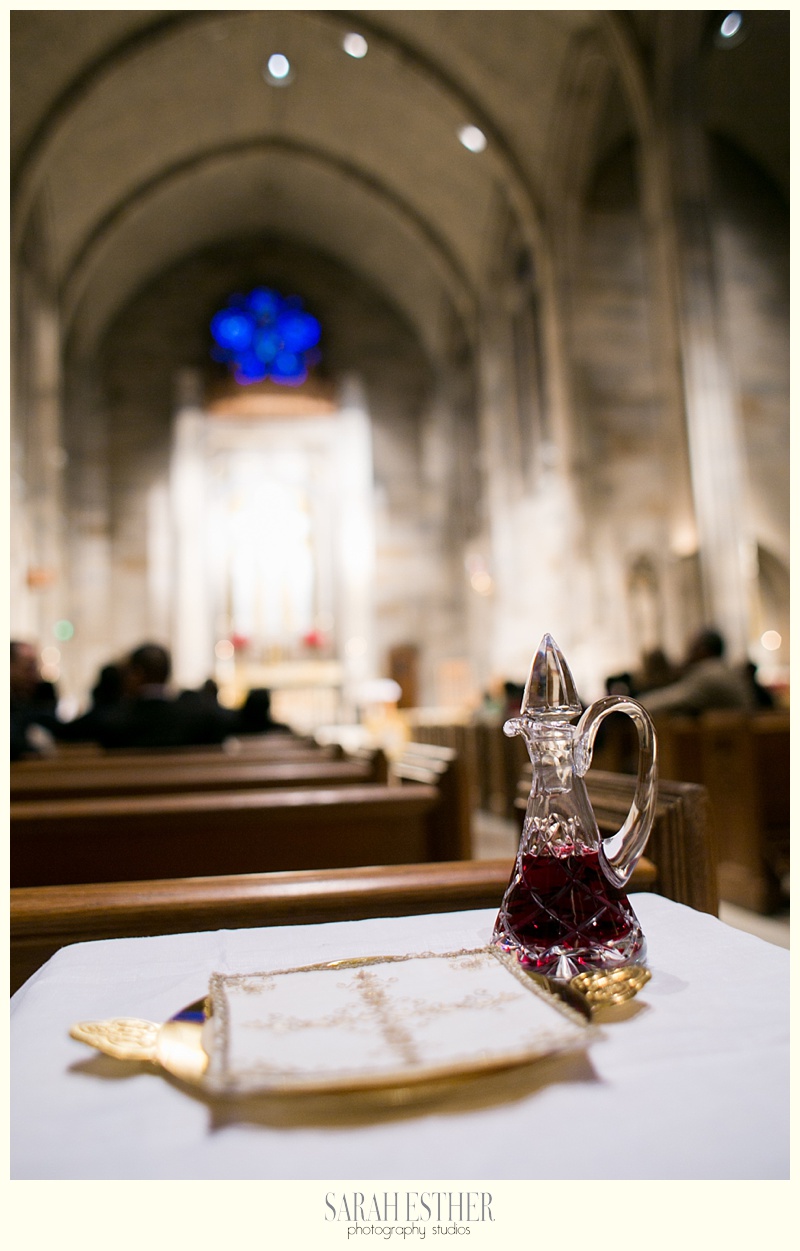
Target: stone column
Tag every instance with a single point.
(44, 465)
(89, 533)
(192, 641)
(355, 548)
(537, 558)
(449, 515)
(502, 487)
(727, 553)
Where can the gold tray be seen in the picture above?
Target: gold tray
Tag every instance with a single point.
(184, 1045)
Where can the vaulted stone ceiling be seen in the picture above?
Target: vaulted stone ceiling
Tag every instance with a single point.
(147, 135)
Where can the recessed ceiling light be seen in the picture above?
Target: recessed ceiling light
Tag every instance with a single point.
(731, 25)
(472, 138)
(731, 30)
(355, 45)
(278, 71)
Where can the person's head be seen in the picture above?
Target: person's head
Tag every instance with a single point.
(108, 688)
(25, 675)
(619, 684)
(256, 709)
(707, 644)
(148, 665)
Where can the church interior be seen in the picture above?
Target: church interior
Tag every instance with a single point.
(553, 364)
(353, 354)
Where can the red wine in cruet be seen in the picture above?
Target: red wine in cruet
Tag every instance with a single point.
(560, 913)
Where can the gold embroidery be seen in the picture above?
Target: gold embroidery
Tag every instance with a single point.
(384, 1020)
(393, 1030)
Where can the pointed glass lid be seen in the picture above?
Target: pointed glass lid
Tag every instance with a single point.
(550, 689)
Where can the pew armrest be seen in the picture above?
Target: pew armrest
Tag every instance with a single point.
(45, 918)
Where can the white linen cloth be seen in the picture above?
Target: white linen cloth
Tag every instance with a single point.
(380, 1021)
(692, 1084)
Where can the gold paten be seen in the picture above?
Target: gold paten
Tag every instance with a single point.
(603, 989)
(177, 1045)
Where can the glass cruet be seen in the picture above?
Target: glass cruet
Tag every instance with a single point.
(564, 910)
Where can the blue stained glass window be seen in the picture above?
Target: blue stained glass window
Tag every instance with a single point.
(266, 335)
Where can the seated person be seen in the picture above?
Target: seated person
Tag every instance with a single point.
(255, 714)
(708, 682)
(148, 715)
(34, 723)
(106, 693)
(762, 695)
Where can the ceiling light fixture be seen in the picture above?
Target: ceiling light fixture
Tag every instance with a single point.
(730, 32)
(472, 138)
(731, 25)
(278, 71)
(355, 45)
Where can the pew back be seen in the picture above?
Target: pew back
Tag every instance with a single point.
(45, 918)
(159, 776)
(743, 761)
(680, 843)
(437, 765)
(142, 837)
(266, 747)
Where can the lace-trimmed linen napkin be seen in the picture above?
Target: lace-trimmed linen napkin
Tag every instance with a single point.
(380, 1021)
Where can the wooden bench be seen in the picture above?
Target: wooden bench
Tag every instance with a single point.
(46, 918)
(443, 767)
(125, 839)
(491, 762)
(743, 760)
(266, 747)
(680, 844)
(460, 737)
(159, 776)
(491, 753)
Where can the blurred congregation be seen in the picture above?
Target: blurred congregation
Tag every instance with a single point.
(130, 705)
(351, 353)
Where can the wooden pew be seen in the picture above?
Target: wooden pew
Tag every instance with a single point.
(444, 768)
(160, 776)
(680, 845)
(139, 837)
(266, 747)
(490, 767)
(743, 761)
(460, 737)
(45, 918)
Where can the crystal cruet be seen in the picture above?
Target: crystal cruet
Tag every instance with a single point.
(564, 910)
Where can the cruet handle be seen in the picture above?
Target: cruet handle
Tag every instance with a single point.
(620, 852)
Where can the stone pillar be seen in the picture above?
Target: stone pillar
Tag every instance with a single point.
(727, 553)
(355, 546)
(537, 561)
(502, 479)
(449, 518)
(44, 461)
(89, 534)
(192, 641)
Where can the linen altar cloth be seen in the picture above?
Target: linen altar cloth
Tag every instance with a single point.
(693, 1083)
